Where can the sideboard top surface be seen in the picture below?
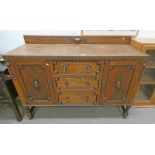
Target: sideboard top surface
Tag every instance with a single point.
(80, 50)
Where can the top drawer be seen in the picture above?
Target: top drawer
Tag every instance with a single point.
(76, 68)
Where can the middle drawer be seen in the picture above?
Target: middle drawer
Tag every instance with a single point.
(77, 83)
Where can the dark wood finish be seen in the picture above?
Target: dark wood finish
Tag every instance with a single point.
(34, 80)
(76, 52)
(67, 73)
(8, 92)
(77, 83)
(29, 39)
(30, 112)
(77, 97)
(76, 68)
(119, 82)
(119, 78)
(136, 44)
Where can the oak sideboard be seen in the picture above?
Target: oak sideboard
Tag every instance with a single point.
(76, 71)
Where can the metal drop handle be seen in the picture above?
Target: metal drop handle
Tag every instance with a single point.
(36, 84)
(77, 39)
(66, 83)
(118, 83)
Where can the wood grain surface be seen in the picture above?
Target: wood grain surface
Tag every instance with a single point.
(80, 50)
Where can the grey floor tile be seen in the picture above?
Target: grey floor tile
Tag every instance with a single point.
(80, 115)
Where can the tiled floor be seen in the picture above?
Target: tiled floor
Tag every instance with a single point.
(79, 115)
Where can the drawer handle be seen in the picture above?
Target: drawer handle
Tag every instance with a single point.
(77, 39)
(66, 83)
(56, 72)
(36, 84)
(65, 68)
(67, 98)
(88, 83)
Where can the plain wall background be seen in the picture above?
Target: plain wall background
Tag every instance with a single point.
(150, 34)
(10, 39)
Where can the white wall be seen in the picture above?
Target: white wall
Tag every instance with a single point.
(148, 34)
(10, 39)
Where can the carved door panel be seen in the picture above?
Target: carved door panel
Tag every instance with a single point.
(35, 82)
(119, 78)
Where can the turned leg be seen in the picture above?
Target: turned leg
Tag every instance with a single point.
(16, 110)
(124, 110)
(30, 112)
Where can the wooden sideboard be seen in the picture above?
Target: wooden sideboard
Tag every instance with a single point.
(76, 71)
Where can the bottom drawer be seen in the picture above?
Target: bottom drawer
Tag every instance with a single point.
(77, 98)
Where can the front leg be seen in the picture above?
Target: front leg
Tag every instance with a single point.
(15, 107)
(124, 110)
(30, 112)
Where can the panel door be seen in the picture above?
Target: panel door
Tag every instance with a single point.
(119, 78)
(35, 82)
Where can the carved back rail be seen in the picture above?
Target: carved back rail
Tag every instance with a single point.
(32, 39)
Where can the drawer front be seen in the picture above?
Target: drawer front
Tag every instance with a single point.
(77, 83)
(81, 98)
(86, 68)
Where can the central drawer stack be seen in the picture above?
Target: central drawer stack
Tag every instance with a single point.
(77, 82)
